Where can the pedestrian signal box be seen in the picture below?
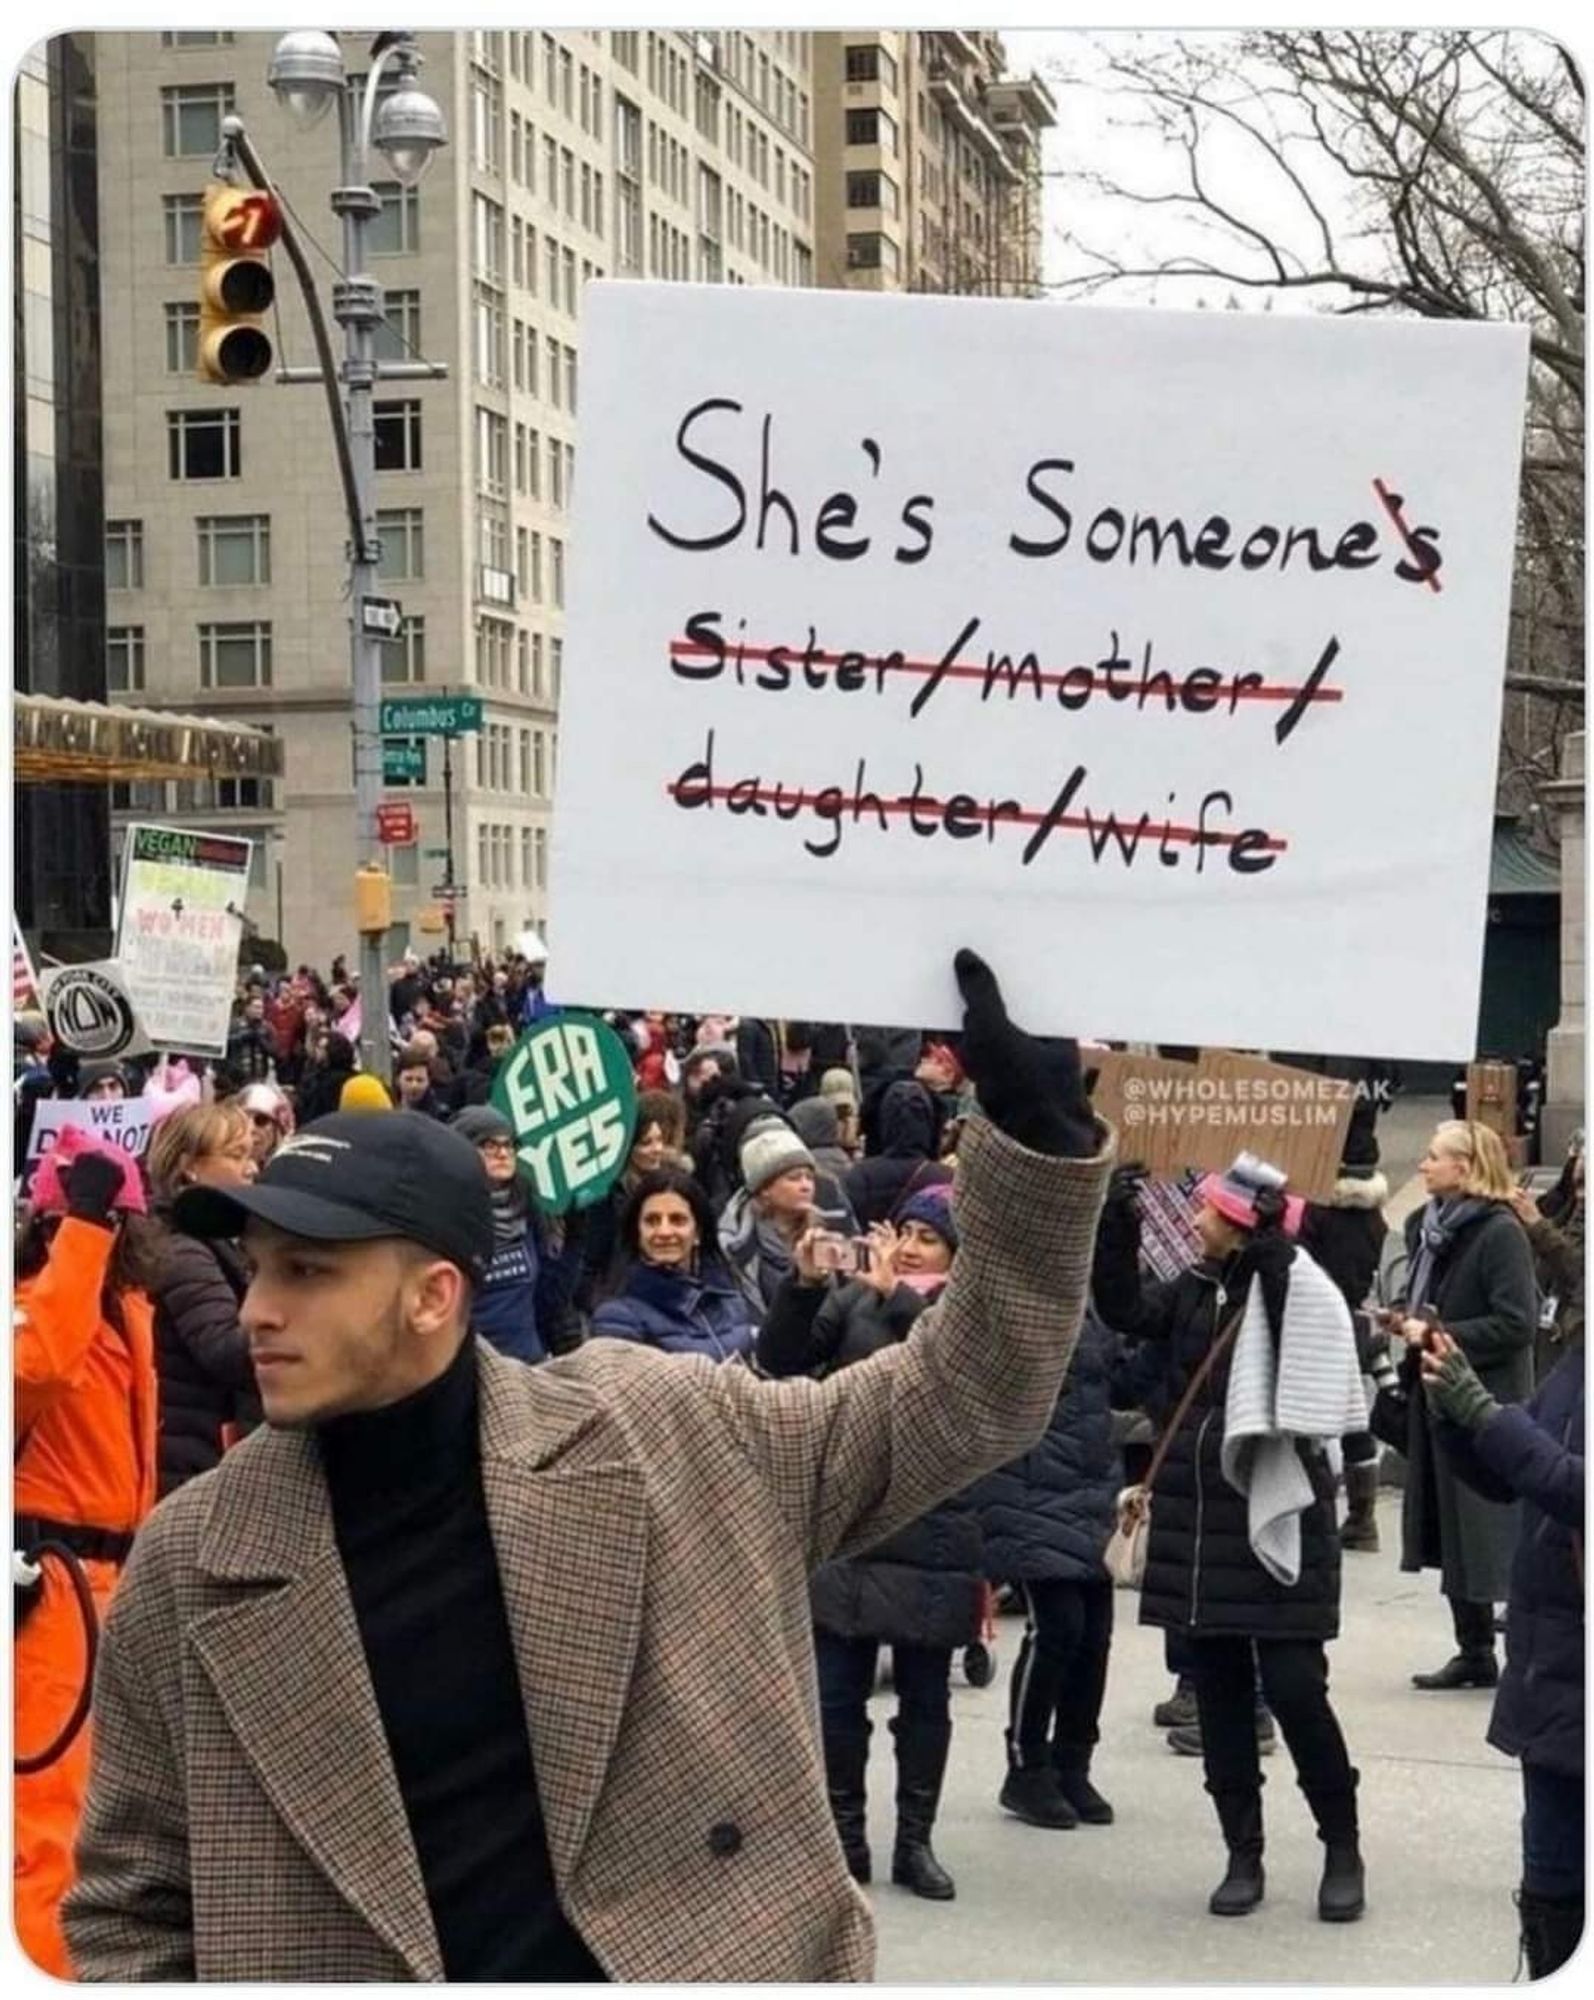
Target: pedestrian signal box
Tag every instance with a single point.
(236, 287)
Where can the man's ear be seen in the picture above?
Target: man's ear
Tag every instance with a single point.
(440, 1297)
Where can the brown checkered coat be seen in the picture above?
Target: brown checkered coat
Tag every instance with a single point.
(656, 1519)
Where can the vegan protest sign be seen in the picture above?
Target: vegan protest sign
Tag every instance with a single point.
(178, 932)
(1155, 655)
(567, 1089)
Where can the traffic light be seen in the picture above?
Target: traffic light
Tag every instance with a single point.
(236, 286)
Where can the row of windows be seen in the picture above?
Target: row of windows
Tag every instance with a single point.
(236, 653)
(208, 444)
(394, 231)
(235, 549)
(397, 336)
(495, 857)
(497, 768)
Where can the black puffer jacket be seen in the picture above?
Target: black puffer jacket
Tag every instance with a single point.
(910, 1139)
(1049, 1513)
(1345, 1235)
(201, 1354)
(920, 1587)
(1200, 1573)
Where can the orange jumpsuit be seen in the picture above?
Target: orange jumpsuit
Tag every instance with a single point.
(86, 1415)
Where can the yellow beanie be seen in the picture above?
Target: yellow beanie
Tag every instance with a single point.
(364, 1093)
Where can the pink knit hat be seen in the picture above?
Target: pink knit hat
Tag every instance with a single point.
(46, 1191)
(1233, 1193)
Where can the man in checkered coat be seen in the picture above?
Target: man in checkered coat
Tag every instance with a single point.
(461, 1669)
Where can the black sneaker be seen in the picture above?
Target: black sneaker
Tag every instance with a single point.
(1187, 1742)
(1178, 1712)
(1091, 1808)
(1036, 1796)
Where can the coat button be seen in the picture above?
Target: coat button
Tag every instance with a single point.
(725, 1838)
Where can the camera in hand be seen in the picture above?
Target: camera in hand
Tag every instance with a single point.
(845, 1255)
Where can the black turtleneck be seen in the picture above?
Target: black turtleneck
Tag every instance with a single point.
(410, 1517)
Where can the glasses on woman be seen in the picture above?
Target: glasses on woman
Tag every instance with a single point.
(260, 1118)
(497, 1146)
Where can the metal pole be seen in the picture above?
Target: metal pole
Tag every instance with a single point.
(357, 307)
(448, 840)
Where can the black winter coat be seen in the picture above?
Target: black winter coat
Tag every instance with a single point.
(1484, 1294)
(922, 1585)
(201, 1355)
(910, 1140)
(1200, 1573)
(1049, 1513)
(1534, 1452)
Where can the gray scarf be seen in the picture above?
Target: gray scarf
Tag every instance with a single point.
(1442, 1222)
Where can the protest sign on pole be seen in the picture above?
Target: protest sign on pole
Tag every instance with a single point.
(178, 931)
(1155, 655)
(119, 1121)
(568, 1090)
(90, 1010)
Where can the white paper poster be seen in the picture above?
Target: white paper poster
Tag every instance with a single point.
(178, 932)
(1155, 655)
(118, 1121)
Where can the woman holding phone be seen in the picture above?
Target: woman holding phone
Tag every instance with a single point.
(1471, 1268)
(919, 1591)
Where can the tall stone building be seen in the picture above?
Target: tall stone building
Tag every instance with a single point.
(928, 158)
(572, 156)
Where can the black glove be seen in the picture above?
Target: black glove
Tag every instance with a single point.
(92, 1185)
(1124, 1183)
(1033, 1092)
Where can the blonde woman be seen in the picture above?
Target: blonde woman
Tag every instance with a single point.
(207, 1382)
(1471, 1270)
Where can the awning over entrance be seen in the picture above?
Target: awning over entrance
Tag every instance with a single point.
(58, 741)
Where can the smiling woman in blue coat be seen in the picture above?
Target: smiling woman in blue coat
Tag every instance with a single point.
(677, 1294)
(1533, 1452)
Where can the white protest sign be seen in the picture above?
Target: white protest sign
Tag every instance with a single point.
(1155, 655)
(119, 1121)
(178, 932)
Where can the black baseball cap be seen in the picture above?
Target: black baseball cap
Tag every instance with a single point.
(357, 1176)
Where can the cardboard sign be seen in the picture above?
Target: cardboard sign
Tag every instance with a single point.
(568, 1090)
(178, 931)
(1172, 1115)
(119, 1121)
(90, 1009)
(1114, 644)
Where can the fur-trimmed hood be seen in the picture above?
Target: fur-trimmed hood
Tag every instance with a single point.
(1355, 1192)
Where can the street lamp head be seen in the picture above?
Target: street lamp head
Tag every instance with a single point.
(409, 129)
(306, 72)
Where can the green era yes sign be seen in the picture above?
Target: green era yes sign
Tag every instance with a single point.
(567, 1089)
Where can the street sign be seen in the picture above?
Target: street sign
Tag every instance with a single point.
(381, 617)
(435, 853)
(395, 823)
(430, 715)
(403, 762)
(447, 891)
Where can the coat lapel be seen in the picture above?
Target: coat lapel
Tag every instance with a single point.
(572, 1547)
(289, 1671)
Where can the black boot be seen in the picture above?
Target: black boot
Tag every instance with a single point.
(1360, 1530)
(1240, 1815)
(1474, 1664)
(846, 1762)
(1073, 1780)
(1552, 1927)
(921, 1765)
(1342, 1893)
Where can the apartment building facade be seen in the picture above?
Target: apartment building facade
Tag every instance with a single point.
(928, 157)
(577, 155)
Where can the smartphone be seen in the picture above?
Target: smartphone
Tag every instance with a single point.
(845, 1255)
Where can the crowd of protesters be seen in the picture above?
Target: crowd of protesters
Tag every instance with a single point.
(788, 1206)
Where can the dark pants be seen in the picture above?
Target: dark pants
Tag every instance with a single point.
(1294, 1680)
(1060, 1676)
(1360, 1448)
(1552, 1832)
(922, 1676)
(1178, 1654)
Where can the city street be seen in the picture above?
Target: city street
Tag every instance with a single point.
(1126, 1904)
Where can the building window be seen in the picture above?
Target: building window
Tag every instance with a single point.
(397, 334)
(872, 128)
(397, 230)
(487, 239)
(234, 549)
(400, 531)
(492, 454)
(197, 38)
(556, 551)
(404, 658)
(235, 656)
(539, 846)
(124, 659)
(872, 191)
(191, 115)
(124, 555)
(488, 322)
(405, 862)
(183, 215)
(203, 444)
(397, 430)
(493, 641)
(539, 765)
(487, 111)
(867, 250)
(182, 338)
(871, 64)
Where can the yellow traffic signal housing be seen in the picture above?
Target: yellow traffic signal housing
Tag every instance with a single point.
(236, 287)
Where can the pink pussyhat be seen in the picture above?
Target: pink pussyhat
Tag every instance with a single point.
(1233, 1193)
(172, 1087)
(46, 1191)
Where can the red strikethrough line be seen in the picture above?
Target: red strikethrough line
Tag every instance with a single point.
(688, 649)
(1388, 498)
